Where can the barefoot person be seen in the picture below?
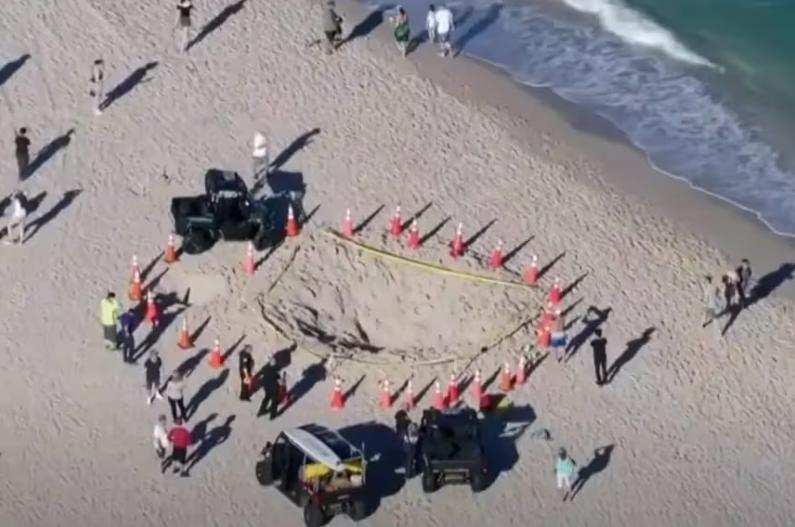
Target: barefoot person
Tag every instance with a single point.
(565, 470)
(444, 30)
(332, 27)
(744, 283)
(184, 8)
(22, 149)
(15, 228)
(402, 31)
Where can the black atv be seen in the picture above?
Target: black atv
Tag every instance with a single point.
(451, 449)
(226, 211)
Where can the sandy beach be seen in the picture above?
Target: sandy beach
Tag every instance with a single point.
(700, 426)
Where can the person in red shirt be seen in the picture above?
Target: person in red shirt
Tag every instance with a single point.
(180, 441)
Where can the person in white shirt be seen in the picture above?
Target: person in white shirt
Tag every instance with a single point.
(260, 157)
(444, 27)
(430, 23)
(17, 220)
(160, 437)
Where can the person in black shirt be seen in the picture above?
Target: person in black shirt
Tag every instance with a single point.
(97, 87)
(246, 365)
(184, 8)
(270, 384)
(152, 366)
(599, 345)
(22, 144)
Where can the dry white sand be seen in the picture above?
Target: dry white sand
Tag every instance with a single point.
(702, 428)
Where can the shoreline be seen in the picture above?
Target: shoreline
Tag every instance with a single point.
(538, 116)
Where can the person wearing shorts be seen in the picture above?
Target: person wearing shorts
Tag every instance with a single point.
(444, 29)
(565, 470)
(180, 439)
(184, 8)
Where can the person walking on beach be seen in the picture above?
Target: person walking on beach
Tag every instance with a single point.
(565, 470)
(558, 335)
(160, 437)
(402, 30)
(430, 23)
(730, 280)
(246, 367)
(127, 326)
(109, 310)
(16, 222)
(97, 87)
(22, 150)
(180, 439)
(599, 345)
(332, 27)
(175, 387)
(270, 384)
(260, 155)
(712, 301)
(152, 368)
(444, 30)
(184, 8)
(744, 284)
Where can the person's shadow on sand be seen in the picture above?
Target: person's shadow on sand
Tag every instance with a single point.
(633, 347)
(205, 391)
(49, 150)
(44, 219)
(599, 462)
(217, 22)
(590, 325)
(763, 288)
(126, 86)
(208, 441)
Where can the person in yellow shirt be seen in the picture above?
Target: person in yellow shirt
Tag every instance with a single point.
(109, 311)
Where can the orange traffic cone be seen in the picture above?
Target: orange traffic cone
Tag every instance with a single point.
(414, 236)
(411, 401)
(396, 225)
(386, 395)
(457, 247)
(283, 391)
(521, 371)
(337, 399)
(555, 294)
(506, 379)
(216, 360)
(292, 224)
(477, 391)
(152, 311)
(136, 291)
(438, 397)
(531, 275)
(135, 268)
(347, 227)
(171, 251)
(495, 262)
(452, 391)
(184, 341)
(248, 262)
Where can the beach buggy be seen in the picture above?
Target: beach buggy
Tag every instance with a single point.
(226, 211)
(318, 470)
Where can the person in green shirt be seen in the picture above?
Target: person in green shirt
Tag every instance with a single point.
(566, 471)
(402, 31)
(109, 311)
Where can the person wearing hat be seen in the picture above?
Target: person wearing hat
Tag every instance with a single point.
(109, 311)
(260, 155)
(184, 8)
(332, 27)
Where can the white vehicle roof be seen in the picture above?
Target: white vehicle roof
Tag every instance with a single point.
(322, 445)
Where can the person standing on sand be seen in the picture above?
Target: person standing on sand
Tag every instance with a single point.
(402, 30)
(183, 22)
(152, 367)
(558, 335)
(270, 384)
(260, 155)
(599, 345)
(16, 222)
(565, 470)
(160, 437)
(744, 283)
(246, 367)
(444, 30)
(127, 326)
(174, 389)
(730, 280)
(109, 310)
(22, 150)
(180, 439)
(97, 87)
(430, 23)
(332, 27)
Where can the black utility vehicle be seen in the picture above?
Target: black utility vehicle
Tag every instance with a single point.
(318, 470)
(451, 449)
(226, 211)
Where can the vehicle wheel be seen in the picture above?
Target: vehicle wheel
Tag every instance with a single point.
(429, 482)
(477, 480)
(264, 473)
(314, 516)
(358, 510)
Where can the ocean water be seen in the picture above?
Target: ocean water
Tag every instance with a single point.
(705, 88)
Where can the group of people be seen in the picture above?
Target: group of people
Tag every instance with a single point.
(731, 295)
